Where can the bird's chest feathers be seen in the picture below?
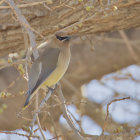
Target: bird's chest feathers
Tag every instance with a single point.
(62, 65)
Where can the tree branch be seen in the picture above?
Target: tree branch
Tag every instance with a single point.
(65, 113)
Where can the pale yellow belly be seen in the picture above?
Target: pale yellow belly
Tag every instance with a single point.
(55, 76)
(60, 70)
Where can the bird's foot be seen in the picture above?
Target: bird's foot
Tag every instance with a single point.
(51, 88)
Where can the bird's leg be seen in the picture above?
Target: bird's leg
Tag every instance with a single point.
(49, 93)
(50, 88)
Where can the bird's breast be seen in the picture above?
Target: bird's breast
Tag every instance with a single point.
(62, 65)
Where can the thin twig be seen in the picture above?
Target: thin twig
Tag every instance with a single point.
(37, 118)
(67, 103)
(66, 133)
(116, 40)
(64, 4)
(66, 116)
(129, 46)
(29, 27)
(52, 120)
(26, 119)
(25, 35)
(91, 43)
(19, 134)
(40, 107)
(25, 5)
(108, 105)
(1, 1)
(21, 61)
(78, 122)
(24, 22)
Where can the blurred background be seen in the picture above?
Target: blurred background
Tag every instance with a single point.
(102, 84)
(89, 109)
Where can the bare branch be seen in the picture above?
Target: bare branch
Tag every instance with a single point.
(129, 46)
(24, 22)
(66, 116)
(9, 132)
(20, 61)
(40, 107)
(25, 5)
(38, 122)
(115, 100)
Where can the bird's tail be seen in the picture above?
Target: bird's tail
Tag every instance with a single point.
(27, 100)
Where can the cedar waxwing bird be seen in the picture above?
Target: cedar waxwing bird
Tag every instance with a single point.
(50, 66)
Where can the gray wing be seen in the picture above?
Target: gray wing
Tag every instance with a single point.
(34, 75)
(47, 62)
(33, 78)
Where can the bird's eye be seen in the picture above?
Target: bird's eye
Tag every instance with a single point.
(62, 38)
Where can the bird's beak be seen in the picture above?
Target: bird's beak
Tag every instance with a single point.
(73, 37)
(69, 38)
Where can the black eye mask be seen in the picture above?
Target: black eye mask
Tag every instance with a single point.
(62, 38)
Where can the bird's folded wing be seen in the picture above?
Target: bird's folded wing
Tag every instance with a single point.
(34, 75)
(42, 68)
